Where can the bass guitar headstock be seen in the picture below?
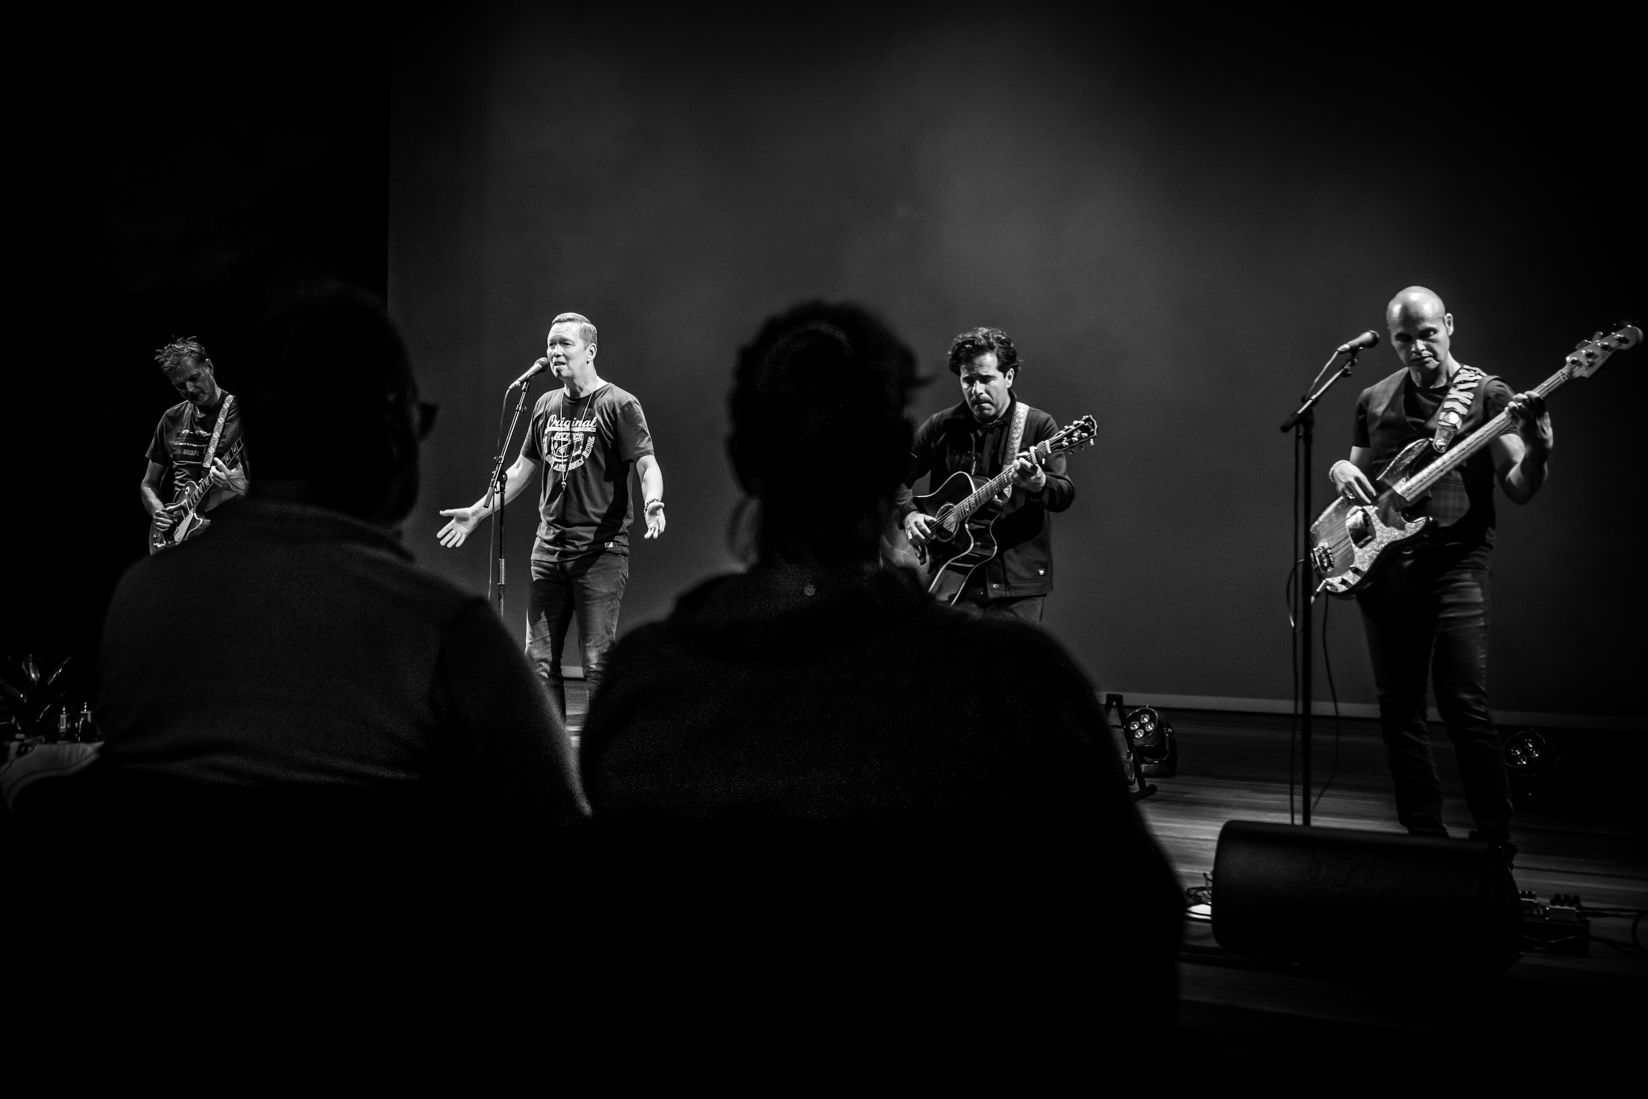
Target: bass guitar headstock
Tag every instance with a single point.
(1589, 355)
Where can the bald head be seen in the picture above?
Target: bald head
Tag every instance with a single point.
(1421, 333)
(1415, 301)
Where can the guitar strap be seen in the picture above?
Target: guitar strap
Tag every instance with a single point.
(217, 432)
(1451, 414)
(1021, 412)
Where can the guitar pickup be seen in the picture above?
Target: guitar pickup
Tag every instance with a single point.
(1357, 526)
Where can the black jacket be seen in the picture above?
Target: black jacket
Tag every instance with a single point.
(953, 441)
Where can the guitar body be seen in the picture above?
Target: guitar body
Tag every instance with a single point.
(189, 521)
(189, 524)
(1347, 539)
(963, 510)
(951, 557)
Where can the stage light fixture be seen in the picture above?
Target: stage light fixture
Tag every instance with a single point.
(1533, 763)
(1150, 735)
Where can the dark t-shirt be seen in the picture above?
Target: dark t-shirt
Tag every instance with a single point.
(180, 441)
(586, 446)
(1393, 412)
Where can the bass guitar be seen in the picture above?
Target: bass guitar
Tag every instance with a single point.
(1347, 540)
(187, 521)
(965, 510)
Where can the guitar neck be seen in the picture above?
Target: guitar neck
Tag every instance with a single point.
(1421, 482)
(990, 489)
(196, 492)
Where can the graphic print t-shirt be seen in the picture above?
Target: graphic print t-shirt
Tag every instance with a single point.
(585, 446)
(180, 442)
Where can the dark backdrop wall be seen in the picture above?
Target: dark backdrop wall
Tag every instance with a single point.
(171, 176)
(1178, 219)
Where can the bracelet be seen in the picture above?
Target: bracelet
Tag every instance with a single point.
(653, 504)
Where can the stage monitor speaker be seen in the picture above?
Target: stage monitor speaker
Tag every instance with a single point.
(1340, 898)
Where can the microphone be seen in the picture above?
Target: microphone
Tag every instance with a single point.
(1365, 340)
(539, 367)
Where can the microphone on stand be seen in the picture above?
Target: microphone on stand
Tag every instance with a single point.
(535, 369)
(1360, 343)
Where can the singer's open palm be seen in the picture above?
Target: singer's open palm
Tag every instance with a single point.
(462, 521)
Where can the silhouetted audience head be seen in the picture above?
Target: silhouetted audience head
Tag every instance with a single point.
(331, 405)
(820, 437)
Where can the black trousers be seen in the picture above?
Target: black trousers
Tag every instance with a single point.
(1426, 616)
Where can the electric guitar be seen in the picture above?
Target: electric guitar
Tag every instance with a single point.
(187, 522)
(965, 511)
(1346, 541)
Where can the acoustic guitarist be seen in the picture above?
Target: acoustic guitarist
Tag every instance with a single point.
(1005, 564)
(1425, 608)
(197, 439)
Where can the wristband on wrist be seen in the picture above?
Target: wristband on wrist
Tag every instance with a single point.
(651, 504)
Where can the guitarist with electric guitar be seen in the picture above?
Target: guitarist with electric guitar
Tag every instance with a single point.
(996, 469)
(197, 447)
(1413, 544)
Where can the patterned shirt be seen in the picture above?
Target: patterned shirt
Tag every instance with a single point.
(180, 441)
(586, 446)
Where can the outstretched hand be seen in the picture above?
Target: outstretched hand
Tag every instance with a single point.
(463, 520)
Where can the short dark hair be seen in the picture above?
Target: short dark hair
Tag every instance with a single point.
(974, 342)
(180, 351)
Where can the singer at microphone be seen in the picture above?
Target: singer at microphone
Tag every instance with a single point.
(531, 372)
(1360, 343)
(588, 447)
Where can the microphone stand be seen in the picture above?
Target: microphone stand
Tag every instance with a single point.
(1303, 421)
(499, 480)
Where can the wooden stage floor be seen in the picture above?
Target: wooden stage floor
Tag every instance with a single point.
(1557, 1013)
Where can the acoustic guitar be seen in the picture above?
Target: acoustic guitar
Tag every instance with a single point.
(965, 511)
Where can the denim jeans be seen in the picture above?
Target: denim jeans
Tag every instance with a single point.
(588, 588)
(1426, 618)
